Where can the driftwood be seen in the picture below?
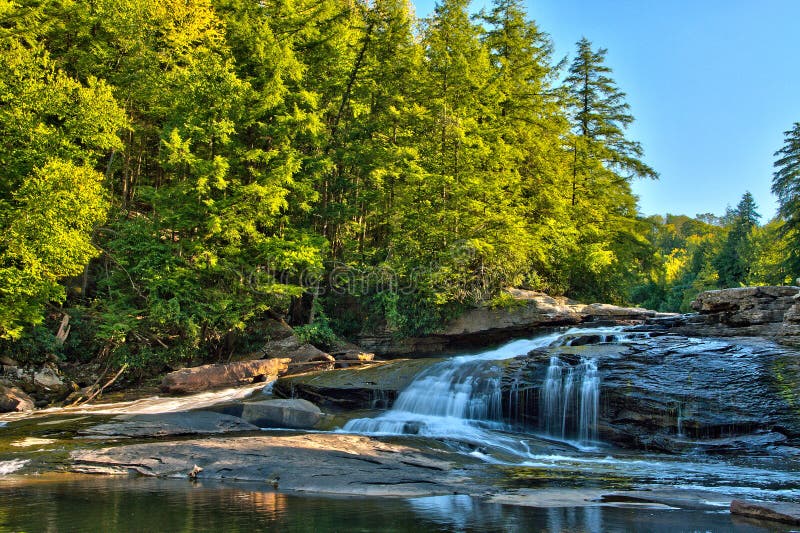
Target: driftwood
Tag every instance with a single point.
(63, 330)
(99, 391)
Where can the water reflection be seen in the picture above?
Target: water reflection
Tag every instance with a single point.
(77, 503)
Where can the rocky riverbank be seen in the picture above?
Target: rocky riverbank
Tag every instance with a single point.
(524, 313)
(768, 312)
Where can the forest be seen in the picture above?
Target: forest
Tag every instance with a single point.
(173, 172)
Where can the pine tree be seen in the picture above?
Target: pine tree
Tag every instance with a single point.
(600, 117)
(526, 136)
(611, 247)
(786, 186)
(734, 260)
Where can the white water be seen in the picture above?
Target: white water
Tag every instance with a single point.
(460, 399)
(456, 398)
(569, 401)
(150, 405)
(9, 467)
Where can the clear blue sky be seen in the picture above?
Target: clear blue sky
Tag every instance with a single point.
(713, 85)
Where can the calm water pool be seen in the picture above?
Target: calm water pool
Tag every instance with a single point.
(76, 503)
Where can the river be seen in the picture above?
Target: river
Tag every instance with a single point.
(557, 475)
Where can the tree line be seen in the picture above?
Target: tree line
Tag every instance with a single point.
(175, 171)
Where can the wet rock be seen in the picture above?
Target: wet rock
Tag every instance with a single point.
(363, 387)
(206, 377)
(674, 393)
(284, 413)
(13, 399)
(324, 463)
(787, 513)
(170, 425)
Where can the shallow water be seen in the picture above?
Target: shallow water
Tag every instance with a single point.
(464, 417)
(80, 503)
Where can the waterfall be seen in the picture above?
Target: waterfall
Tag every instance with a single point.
(442, 401)
(454, 398)
(461, 399)
(569, 401)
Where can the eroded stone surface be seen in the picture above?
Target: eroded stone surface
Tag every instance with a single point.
(170, 424)
(323, 463)
(787, 513)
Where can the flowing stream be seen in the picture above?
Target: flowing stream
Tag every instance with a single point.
(460, 401)
(537, 433)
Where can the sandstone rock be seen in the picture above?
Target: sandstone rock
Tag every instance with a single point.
(745, 311)
(787, 513)
(363, 387)
(302, 356)
(757, 304)
(527, 312)
(170, 425)
(353, 355)
(13, 399)
(324, 463)
(224, 375)
(286, 413)
(48, 379)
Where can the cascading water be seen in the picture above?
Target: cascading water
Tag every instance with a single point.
(461, 398)
(454, 398)
(569, 401)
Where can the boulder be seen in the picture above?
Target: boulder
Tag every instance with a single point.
(747, 305)
(745, 311)
(285, 413)
(13, 399)
(302, 356)
(206, 377)
(7, 361)
(787, 513)
(47, 378)
(170, 425)
(789, 332)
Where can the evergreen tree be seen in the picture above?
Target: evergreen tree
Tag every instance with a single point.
(734, 260)
(526, 136)
(786, 186)
(611, 249)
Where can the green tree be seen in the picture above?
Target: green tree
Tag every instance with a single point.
(786, 186)
(54, 130)
(611, 247)
(734, 260)
(600, 116)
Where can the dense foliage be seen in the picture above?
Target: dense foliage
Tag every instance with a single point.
(174, 171)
